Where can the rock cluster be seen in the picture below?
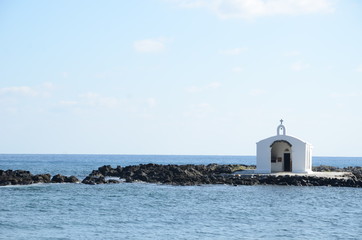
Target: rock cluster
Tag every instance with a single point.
(356, 171)
(212, 174)
(187, 175)
(165, 174)
(21, 177)
(64, 179)
(308, 181)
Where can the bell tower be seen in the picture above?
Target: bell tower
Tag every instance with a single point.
(281, 128)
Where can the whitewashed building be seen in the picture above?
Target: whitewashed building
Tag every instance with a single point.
(283, 153)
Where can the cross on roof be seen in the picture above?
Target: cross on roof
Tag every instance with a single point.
(281, 121)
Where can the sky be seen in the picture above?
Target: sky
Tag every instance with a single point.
(204, 77)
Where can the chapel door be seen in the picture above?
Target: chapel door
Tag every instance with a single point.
(287, 163)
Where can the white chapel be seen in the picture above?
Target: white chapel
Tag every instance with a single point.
(283, 153)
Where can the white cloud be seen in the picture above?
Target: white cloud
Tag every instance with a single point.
(150, 45)
(92, 100)
(345, 95)
(257, 92)
(21, 90)
(68, 103)
(48, 85)
(233, 51)
(65, 74)
(12, 110)
(151, 102)
(203, 106)
(299, 66)
(46, 89)
(359, 68)
(237, 69)
(95, 99)
(292, 53)
(200, 110)
(260, 8)
(249, 9)
(189, 3)
(43, 90)
(195, 89)
(213, 85)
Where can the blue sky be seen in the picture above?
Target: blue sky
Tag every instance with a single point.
(179, 76)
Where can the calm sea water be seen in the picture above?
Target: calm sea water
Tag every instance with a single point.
(150, 211)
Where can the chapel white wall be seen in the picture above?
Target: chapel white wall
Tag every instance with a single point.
(299, 154)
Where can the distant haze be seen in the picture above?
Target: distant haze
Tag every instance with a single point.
(179, 76)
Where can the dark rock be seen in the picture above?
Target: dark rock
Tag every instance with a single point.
(141, 175)
(64, 179)
(186, 175)
(41, 178)
(119, 169)
(21, 177)
(96, 173)
(104, 170)
(129, 179)
(58, 179)
(112, 181)
(72, 179)
(94, 180)
(324, 168)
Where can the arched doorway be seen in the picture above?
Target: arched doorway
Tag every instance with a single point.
(281, 156)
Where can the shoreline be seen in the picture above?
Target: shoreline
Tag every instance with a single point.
(191, 174)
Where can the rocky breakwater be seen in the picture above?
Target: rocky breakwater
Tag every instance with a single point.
(166, 174)
(356, 171)
(305, 180)
(21, 177)
(192, 175)
(214, 174)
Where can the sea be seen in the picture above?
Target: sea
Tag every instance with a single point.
(154, 211)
